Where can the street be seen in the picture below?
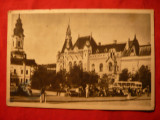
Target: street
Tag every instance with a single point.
(91, 102)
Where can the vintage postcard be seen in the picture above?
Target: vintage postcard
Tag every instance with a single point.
(81, 59)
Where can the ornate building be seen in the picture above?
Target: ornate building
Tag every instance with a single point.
(21, 68)
(108, 59)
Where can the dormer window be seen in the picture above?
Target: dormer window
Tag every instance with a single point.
(97, 51)
(87, 43)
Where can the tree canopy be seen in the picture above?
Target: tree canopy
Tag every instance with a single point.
(124, 76)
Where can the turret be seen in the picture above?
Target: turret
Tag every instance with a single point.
(68, 40)
(18, 40)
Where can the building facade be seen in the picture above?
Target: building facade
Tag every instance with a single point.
(21, 68)
(108, 59)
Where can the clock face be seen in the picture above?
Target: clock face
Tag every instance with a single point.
(87, 43)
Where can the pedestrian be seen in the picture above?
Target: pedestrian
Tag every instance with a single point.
(59, 90)
(68, 91)
(42, 96)
(87, 91)
(147, 90)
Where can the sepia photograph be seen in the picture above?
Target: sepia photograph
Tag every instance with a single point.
(97, 59)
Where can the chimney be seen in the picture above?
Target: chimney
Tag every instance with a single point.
(115, 41)
(99, 43)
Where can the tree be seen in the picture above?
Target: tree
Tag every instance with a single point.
(93, 78)
(42, 78)
(145, 76)
(124, 76)
(104, 81)
(77, 77)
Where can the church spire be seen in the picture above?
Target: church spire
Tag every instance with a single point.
(18, 30)
(135, 38)
(68, 40)
(68, 32)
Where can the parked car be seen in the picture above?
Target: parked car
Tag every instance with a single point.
(13, 88)
(74, 92)
(24, 90)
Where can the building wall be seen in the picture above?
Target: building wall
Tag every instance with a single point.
(133, 63)
(22, 73)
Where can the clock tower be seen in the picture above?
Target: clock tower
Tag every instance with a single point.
(18, 41)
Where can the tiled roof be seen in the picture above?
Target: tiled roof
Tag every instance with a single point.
(145, 50)
(118, 47)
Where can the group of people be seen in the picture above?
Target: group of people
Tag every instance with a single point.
(90, 91)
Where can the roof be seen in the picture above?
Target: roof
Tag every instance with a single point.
(18, 30)
(81, 42)
(18, 52)
(68, 37)
(29, 62)
(64, 46)
(118, 47)
(132, 43)
(50, 65)
(145, 50)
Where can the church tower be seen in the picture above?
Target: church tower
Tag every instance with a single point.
(18, 41)
(68, 40)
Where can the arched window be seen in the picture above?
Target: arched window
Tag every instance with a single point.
(70, 65)
(97, 51)
(110, 66)
(61, 67)
(93, 67)
(101, 67)
(18, 43)
(80, 64)
(75, 63)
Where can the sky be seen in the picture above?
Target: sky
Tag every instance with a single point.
(45, 33)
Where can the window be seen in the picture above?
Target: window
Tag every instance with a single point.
(75, 63)
(101, 67)
(21, 71)
(18, 43)
(27, 72)
(110, 66)
(14, 71)
(93, 67)
(70, 65)
(26, 80)
(97, 51)
(80, 64)
(61, 68)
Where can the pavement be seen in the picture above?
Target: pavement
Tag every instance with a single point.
(52, 97)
